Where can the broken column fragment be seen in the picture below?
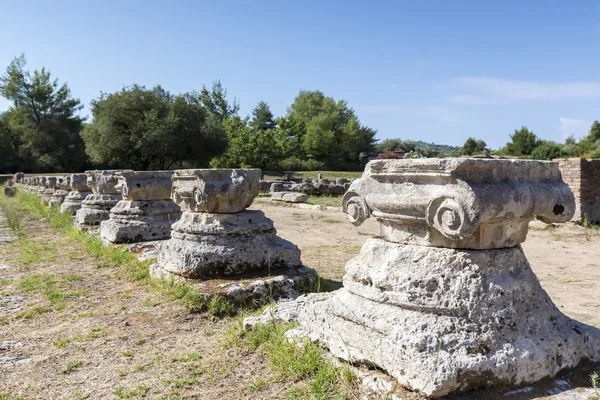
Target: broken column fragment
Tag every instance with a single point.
(95, 208)
(63, 184)
(218, 237)
(46, 193)
(79, 191)
(445, 299)
(146, 211)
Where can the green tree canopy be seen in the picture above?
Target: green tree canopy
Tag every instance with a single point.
(44, 117)
(522, 143)
(473, 146)
(257, 143)
(396, 145)
(146, 129)
(326, 130)
(547, 150)
(9, 159)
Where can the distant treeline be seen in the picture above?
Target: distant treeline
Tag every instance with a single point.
(150, 128)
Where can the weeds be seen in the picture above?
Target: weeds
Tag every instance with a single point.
(14, 220)
(294, 363)
(595, 379)
(71, 367)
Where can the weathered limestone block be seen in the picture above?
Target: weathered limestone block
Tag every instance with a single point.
(289, 197)
(63, 183)
(79, 191)
(305, 187)
(216, 236)
(19, 176)
(146, 211)
(49, 188)
(95, 208)
(458, 203)
(467, 314)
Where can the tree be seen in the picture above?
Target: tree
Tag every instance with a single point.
(9, 159)
(589, 146)
(326, 130)
(215, 101)
(145, 129)
(473, 146)
(257, 144)
(44, 117)
(523, 142)
(547, 150)
(262, 117)
(395, 145)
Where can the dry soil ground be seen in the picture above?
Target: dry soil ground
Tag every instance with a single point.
(108, 338)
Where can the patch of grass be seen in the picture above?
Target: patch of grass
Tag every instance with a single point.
(181, 382)
(33, 312)
(325, 201)
(294, 363)
(71, 367)
(257, 385)
(139, 391)
(92, 334)
(14, 220)
(50, 286)
(331, 175)
(187, 357)
(595, 380)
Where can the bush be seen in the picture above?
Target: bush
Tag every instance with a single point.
(296, 164)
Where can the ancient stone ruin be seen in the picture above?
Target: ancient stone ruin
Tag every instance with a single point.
(63, 184)
(445, 299)
(96, 206)
(146, 211)
(217, 237)
(79, 191)
(583, 178)
(49, 187)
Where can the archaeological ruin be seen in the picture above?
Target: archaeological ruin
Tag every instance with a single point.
(96, 207)
(583, 178)
(79, 191)
(146, 211)
(445, 299)
(217, 236)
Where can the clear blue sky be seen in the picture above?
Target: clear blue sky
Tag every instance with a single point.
(436, 71)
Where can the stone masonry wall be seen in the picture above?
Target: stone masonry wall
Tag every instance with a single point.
(583, 178)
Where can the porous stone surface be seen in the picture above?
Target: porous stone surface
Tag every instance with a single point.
(445, 299)
(215, 190)
(440, 320)
(95, 208)
(79, 191)
(146, 211)
(49, 184)
(209, 245)
(63, 184)
(289, 197)
(216, 236)
(459, 202)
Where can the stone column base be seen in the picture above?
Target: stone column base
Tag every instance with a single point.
(73, 201)
(440, 320)
(57, 198)
(208, 245)
(139, 221)
(95, 209)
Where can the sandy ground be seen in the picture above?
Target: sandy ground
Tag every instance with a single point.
(129, 342)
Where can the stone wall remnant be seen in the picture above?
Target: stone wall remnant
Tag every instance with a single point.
(63, 184)
(146, 211)
(445, 299)
(79, 191)
(583, 178)
(217, 235)
(46, 193)
(95, 208)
